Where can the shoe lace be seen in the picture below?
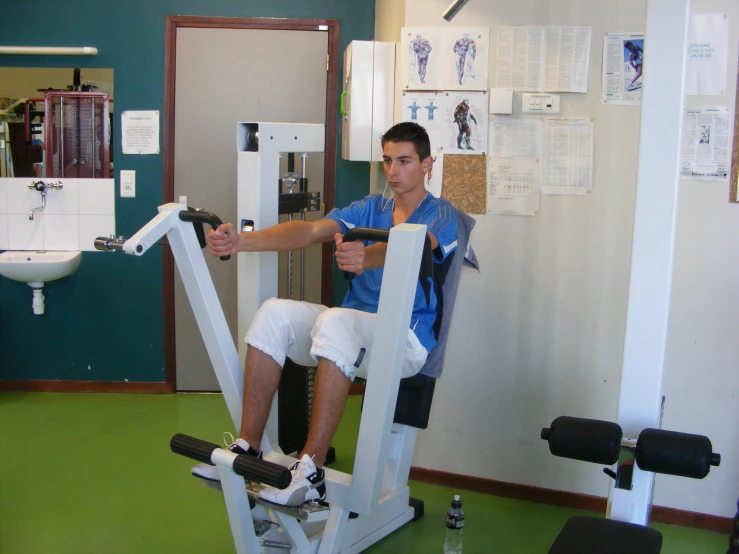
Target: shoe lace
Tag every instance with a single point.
(228, 439)
(298, 469)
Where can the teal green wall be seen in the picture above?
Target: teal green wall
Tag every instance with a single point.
(105, 323)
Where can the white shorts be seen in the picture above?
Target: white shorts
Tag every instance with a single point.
(305, 332)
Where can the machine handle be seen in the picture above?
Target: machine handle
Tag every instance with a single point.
(342, 103)
(379, 235)
(363, 233)
(194, 216)
(247, 466)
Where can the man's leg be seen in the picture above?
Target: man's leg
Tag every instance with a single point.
(280, 329)
(261, 379)
(330, 392)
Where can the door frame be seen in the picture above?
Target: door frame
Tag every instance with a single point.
(174, 22)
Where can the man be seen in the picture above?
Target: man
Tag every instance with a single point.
(338, 340)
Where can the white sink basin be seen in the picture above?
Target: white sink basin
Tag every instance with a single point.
(29, 266)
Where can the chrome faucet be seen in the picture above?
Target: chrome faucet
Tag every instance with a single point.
(42, 187)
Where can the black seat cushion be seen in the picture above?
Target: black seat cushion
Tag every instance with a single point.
(594, 535)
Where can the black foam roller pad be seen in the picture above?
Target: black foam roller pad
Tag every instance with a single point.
(191, 447)
(674, 453)
(263, 471)
(588, 440)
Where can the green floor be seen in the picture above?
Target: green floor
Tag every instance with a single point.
(93, 473)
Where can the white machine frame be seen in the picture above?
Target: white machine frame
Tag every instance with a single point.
(658, 184)
(377, 490)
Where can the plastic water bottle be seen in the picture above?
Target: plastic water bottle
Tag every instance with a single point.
(454, 527)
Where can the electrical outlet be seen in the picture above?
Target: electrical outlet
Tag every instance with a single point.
(539, 103)
(128, 183)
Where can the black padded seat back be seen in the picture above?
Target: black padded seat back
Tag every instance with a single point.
(415, 393)
(414, 401)
(595, 535)
(413, 406)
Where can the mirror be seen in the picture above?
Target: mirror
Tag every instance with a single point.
(24, 150)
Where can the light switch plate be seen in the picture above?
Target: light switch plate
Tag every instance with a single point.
(539, 103)
(128, 183)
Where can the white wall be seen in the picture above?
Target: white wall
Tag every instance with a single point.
(72, 219)
(549, 339)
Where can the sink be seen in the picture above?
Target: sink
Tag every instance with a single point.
(29, 266)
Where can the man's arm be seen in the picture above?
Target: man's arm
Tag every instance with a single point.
(291, 235)
(355, 257)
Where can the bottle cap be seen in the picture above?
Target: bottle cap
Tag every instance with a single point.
(456, 502)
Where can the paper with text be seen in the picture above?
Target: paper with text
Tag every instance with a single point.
(623, 59)
(535, 58)
(706, 144)
(567, 156)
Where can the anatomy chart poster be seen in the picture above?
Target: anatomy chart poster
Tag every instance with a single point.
(465, 129)
(423, 108)
(465, 58)
(421, 56)
(445, 58)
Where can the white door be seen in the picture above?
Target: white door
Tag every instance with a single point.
(224, 76)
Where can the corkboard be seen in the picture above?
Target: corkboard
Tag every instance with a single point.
(734, 176)
(463, 182)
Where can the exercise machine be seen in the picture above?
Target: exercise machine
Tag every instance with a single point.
(364, 506)
(602, 442)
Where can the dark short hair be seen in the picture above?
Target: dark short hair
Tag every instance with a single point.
(410, 132)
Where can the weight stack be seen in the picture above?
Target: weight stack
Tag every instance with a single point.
(294, 401)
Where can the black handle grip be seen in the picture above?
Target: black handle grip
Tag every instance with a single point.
(247, 466)
(379, 235)
(191, 447)
(197, 218)
(363, 233)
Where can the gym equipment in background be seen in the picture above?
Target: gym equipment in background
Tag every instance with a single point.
(602, 442)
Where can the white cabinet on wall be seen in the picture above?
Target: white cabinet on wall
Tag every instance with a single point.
(367, 99)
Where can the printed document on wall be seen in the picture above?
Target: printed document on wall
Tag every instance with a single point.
(706, 146)
(465, 58)
(623, 57)
(425, 108)
(553, 59)
(514, 166)
(706, 71)
(465, 127)
(567, 156)
(140, 132)
(513, 186)
(421, 58)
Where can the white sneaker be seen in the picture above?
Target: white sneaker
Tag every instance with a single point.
(210, 473)
(307, 484)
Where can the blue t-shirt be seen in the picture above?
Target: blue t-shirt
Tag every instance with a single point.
(376, 212)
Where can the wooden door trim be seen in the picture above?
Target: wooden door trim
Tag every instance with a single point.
(172, 23)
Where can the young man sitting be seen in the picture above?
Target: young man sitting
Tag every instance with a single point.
(337, 340)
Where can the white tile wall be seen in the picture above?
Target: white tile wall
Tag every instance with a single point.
(97, 196)
(61, 232)
(3, 218)
(21, 199)
(81, 211)
(24, 234)
(92, 227)
(3, 231)
(62, 202)
(3, 200)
